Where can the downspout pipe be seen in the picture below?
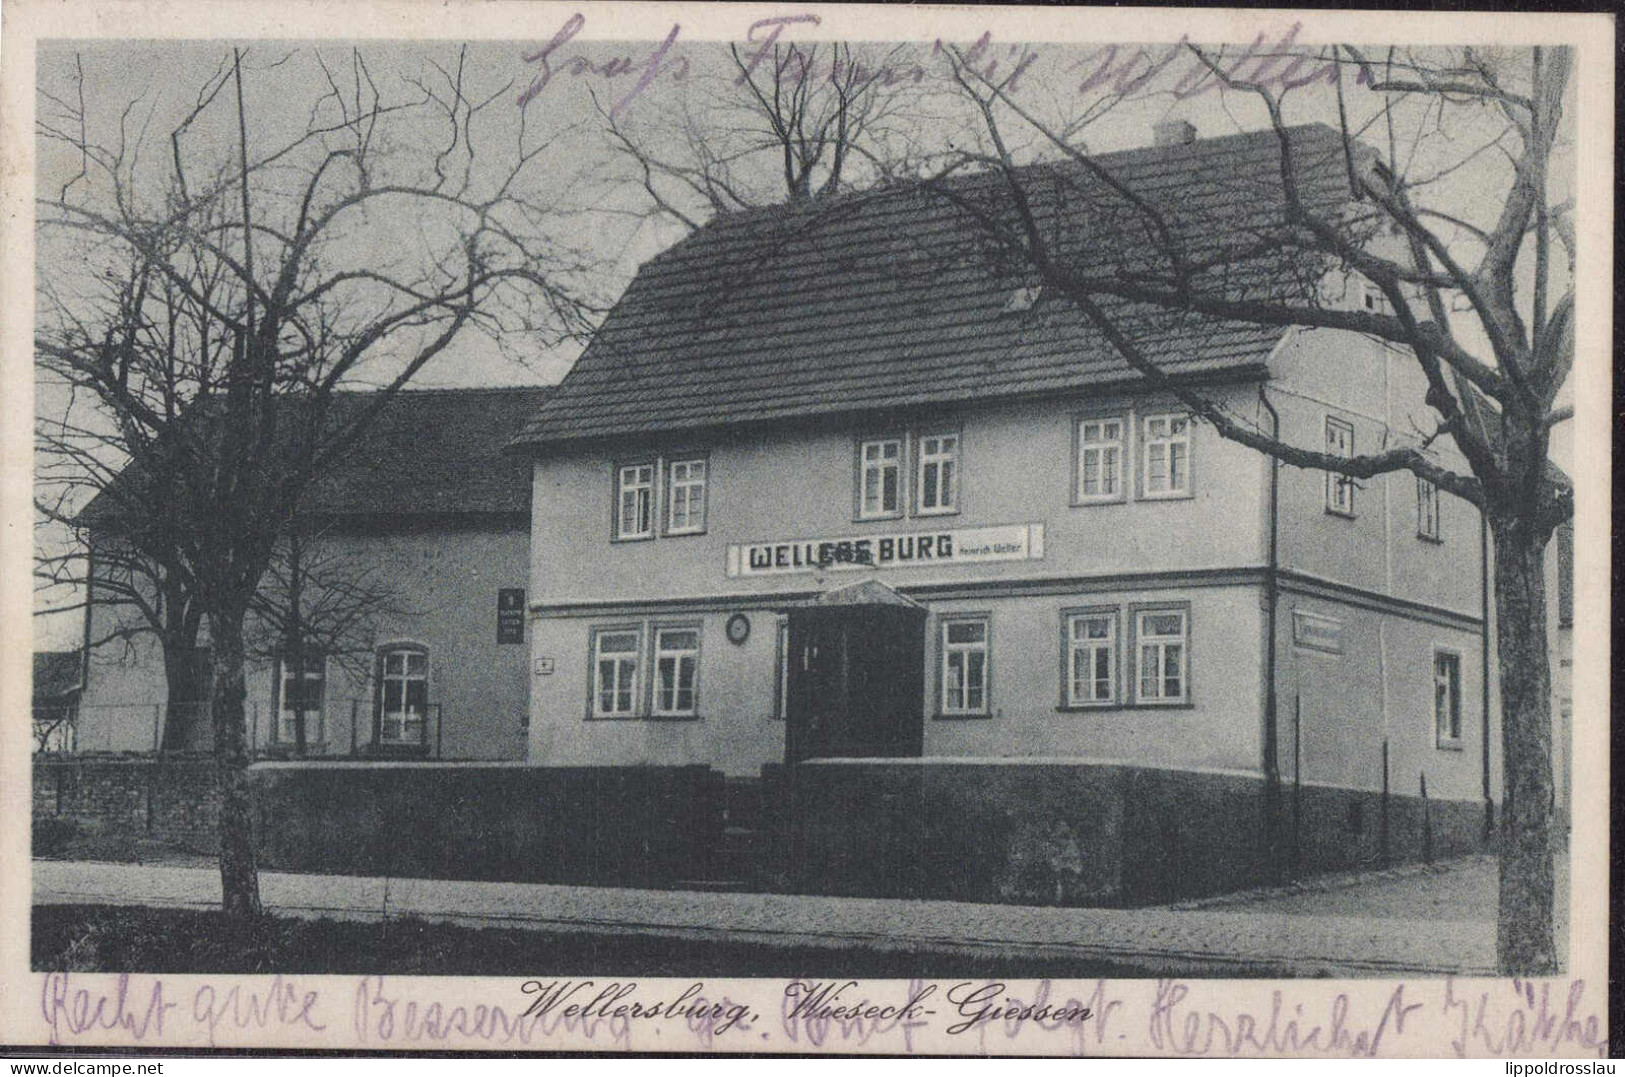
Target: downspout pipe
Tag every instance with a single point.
(1484, 667)
(1272, 761)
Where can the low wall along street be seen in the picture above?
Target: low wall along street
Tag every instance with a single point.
(633, 826)
(1073, 834)
(1040, 833)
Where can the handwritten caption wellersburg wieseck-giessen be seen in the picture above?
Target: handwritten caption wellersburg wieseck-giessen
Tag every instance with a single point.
(1164, 1017)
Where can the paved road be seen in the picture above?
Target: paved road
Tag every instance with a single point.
(1268, 932)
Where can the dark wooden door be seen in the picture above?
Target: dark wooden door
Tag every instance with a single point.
(856, 683)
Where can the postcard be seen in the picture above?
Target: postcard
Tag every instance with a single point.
(806, 529)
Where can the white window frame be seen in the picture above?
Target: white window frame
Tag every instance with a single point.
(1339, 488)
(639, 485)
(1162, 642)
(1084, 449)
(1429, 523)
(947, 492)
(1093, 645)
(694, 490)
(405, 679)
(596, 656)
(1447, 725)
(962, 708)
(880, 466)
(678, 655)
(1168, 441)
(287, 731)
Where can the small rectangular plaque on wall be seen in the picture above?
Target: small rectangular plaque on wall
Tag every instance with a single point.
(511, 615)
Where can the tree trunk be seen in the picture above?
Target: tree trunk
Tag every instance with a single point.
(186, 693)
(239, 875)
(1525, 945)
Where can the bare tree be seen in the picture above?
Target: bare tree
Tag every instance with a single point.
(1472, 291)
(794, 123)
(211, 291)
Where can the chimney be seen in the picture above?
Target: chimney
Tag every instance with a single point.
(1173, 133)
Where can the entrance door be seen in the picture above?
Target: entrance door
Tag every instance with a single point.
(856, 682)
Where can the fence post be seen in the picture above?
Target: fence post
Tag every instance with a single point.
(354, 747)
(439, 716)
(157, 728)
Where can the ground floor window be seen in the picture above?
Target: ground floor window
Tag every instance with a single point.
(301, 685)
(965, 665)
(1091, 658)
(403, 696)
(1447, 697)
(1163, 655)
(677, 664)
(615, 672)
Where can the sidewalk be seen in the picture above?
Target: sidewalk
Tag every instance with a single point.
(1239, 939)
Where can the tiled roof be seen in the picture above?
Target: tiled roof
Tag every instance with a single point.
(429, 452)
(56, 674)
(895, 297)
(434, 451)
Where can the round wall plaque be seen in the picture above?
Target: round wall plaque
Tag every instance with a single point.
(738, 628)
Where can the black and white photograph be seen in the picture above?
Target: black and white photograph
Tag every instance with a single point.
(822, 528)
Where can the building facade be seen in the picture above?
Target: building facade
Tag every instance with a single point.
(413, 559)
(873, 501)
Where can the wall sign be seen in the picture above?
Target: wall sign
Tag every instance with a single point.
(1317, 633)
(738, 628)
(511, 615)
(970, 545)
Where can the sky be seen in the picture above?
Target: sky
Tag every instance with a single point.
(556, 92)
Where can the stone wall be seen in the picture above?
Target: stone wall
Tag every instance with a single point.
(170, 798)
(623, 825)
(1077, 834)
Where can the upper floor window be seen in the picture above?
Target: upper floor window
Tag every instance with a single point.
(1167, 456)
(880, 478)
(1427, 510)
(300, 687)
(964, 665)
(634, 505)
(1339, 488)
(1100, 459)
(1447, 697)
(685, 497)
(1091, 645)
(615, 672)
(938, 480)
(677, 665)
(403, 695)
(1163, 655)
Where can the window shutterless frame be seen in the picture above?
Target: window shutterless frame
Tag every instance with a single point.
(1339, 488)
(1079, 627)
(687, 494)
(1100, 458)
(674, 670)
(938, 465)
(401, 715)
(1447, 724)
(1166, 456)
(1150, 641)
(964, 666)
(615, 671)
(635, 493)
(880, 472)
(1428, 522)
(315, 673)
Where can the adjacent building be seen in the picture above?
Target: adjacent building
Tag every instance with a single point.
(413, 564)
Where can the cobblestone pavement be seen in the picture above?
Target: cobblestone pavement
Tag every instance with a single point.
(1431, 921)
